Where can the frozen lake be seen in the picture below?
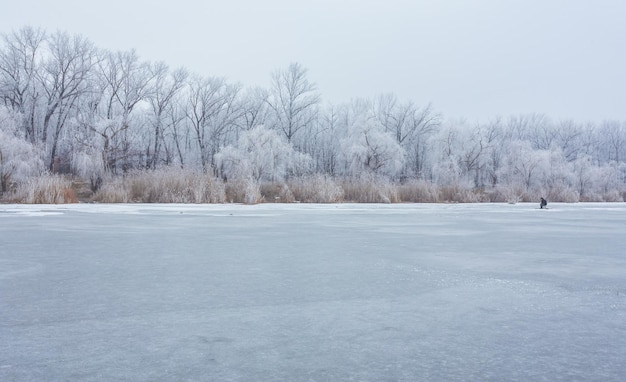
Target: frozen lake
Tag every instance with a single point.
(403, 292)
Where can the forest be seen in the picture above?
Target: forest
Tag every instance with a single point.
(79, 123)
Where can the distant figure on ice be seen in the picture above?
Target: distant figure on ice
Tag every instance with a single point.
(543, 203)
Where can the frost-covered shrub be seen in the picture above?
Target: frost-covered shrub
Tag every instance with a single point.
(46, 189)
(318, 188)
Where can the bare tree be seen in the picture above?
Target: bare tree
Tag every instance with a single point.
(472, 147)
(568, 135)
(293, 100)
(524, 163)
(614, 134)
(64, 78)
(125, 82)
(254, 109)
(324, 144)
(421, 125)
(211, 111)
(18, 73)
(166, 86)
(177, 132)
(495, 147)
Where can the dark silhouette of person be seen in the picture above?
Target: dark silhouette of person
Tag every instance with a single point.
(543, 203)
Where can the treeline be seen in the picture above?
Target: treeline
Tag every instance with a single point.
(140, 131)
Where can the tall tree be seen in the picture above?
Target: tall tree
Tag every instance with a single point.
(614, 134)
(254, 109)
(125, 82)
(293, 100)
(64, 78)
(166, 85)
(18, 73)
(212, 111)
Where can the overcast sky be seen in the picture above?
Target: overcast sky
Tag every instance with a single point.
(470, 58)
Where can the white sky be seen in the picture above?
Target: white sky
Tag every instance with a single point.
(470, 58)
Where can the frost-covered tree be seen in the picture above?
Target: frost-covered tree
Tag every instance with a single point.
(293, 101)
(19, 158)
(568, 138)
(323, 144)
(167, 84)
(447, 169)
(556, 177)
(19, 70)
(368, 148)
(212, 111)
(523, 165)
(494, 150)
(110, 112)
(65, 78)
(422, 124)
(119, 97)
(410, 125)
(614, 140)
(472, 148)
(261, 154)
(178, 133)
(255, 109)
(583, 172)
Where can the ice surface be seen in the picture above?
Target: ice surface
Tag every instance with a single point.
(298, 292)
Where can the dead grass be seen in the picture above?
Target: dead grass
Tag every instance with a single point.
(46, 189)
(370, 189)
(168, 185)
(173, 185)
(316, 188)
